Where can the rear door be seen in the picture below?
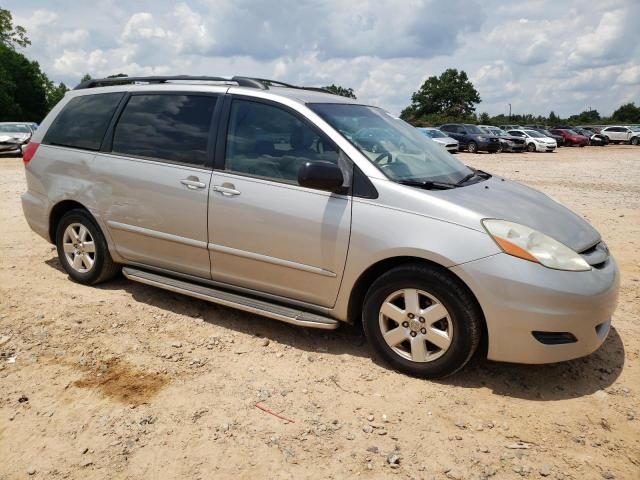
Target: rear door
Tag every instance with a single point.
(266, 232)
(153, 179)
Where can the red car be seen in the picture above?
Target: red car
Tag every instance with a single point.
(570, 137)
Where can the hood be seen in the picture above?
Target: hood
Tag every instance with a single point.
(10, 138)
(445, 140)
(507, 200)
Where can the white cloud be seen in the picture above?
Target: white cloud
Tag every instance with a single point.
(534, 55)
(630, 76)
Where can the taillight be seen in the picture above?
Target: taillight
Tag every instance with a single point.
(29, 151)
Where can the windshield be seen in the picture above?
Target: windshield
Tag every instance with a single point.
(14, 129)
(534, 134)
(473, 129)
(399, 150)
(498, 132)
(432, 133)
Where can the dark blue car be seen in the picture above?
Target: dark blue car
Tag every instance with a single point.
(472, 138)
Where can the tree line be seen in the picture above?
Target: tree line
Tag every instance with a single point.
(452, 98)
(27, 94)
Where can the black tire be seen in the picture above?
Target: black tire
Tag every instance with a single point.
(103, 268)
(531, 148)
(464, 312)
(472, 147)
(634, 141)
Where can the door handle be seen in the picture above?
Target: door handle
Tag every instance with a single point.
(226, 189)
(193, 183)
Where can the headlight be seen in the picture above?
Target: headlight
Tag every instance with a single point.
(528, 244)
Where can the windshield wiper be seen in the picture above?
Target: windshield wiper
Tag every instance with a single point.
(474, 173)
(428, 184)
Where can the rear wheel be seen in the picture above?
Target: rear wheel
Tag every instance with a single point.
(634, 141)
(472, 147)
(422, 321)
(82, 249)
(531, 147)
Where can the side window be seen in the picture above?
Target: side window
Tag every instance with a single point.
(174, 128)
(268, 141)
(83, 121)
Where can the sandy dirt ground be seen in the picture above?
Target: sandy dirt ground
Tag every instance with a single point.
(128, 381)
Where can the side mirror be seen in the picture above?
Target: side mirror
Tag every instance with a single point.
(321, 175)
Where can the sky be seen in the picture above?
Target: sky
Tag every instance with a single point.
(538, 55)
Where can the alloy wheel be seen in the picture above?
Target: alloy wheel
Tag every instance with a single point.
(415, 325)
(79, 247)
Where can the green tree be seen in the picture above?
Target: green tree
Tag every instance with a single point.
(553, 118)
(484, 118)
(342, 91)
(451, 95)
(54, 93)
(11, 35)
(85, 78)
(23, 94)
(627, 113)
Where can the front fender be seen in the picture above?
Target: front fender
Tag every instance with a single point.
(380, 233)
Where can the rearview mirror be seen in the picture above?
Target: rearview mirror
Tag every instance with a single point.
(321, 175)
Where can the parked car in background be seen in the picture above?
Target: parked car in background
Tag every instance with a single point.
(508, 143)
(536, 142)
(472, 138)
(596, 139)
(450, 144)
(571, 138)
(558, 138)
(592, 128)
(506, 128)
(621, 134)
(431, 257)
(13, 136)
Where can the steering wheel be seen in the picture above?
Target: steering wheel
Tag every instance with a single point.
(380, 157)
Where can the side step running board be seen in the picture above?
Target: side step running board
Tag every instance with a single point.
(241, 302)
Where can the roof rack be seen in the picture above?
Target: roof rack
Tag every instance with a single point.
(261, 83)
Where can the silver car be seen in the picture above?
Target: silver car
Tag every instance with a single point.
(438, 136)
(13, 136)
(314, 209)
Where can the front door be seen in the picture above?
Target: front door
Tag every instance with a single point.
(265, 231)
(154, 182)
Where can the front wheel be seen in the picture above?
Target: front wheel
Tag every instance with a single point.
(422, 321)
(634, 141)
(472, 147)
(82, 249)
(531, 147)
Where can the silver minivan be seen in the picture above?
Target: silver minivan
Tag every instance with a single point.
(314, 209)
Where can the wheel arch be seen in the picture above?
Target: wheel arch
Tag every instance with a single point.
(58, 211)
(366, 279)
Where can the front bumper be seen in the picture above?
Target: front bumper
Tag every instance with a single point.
(485, 146)
(545, 147)
(520, 297)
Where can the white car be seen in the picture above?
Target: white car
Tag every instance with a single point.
(438, 136)
(536, 141)
(618, 133)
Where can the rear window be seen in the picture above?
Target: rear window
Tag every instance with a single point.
(83, 121)
(173, 128)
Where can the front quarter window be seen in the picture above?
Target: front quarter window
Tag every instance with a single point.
(396, 148)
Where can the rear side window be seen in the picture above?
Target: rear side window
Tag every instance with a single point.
(83, 121)
(173, 128)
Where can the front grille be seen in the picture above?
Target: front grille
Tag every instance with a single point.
(451, 145)
(494, 139)
(518, 140)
